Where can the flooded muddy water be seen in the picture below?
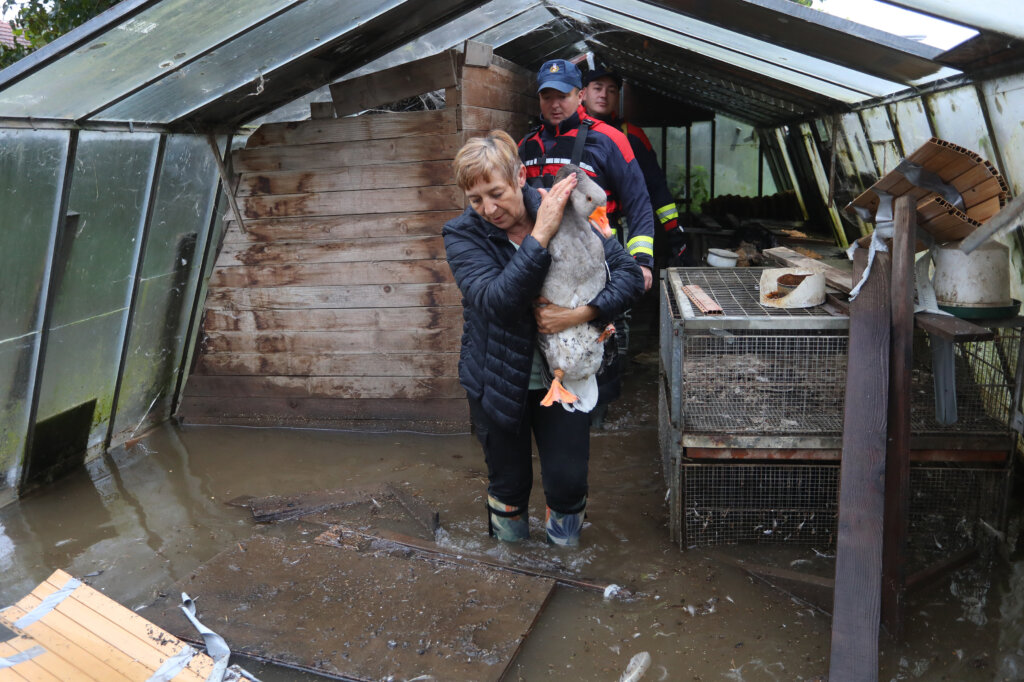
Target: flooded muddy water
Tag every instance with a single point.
(137, 521)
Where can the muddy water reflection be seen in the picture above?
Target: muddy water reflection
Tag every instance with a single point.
(138, 521)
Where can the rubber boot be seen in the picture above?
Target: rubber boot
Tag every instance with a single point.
(564, 529)
(508, 524)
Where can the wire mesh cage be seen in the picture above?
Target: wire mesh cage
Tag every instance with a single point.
(729, 503)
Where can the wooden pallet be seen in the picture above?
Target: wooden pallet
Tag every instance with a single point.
(983, 190)
(89, 637)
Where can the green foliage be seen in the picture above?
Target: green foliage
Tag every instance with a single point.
(41, 21)
(805, 3)
(700, 186)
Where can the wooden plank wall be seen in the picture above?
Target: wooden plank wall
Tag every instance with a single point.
(336, 307)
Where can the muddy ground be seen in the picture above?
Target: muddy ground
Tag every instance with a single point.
(137, 521)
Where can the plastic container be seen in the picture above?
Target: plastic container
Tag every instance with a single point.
(722, 258)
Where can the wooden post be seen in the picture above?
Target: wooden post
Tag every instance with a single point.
(855, 612)
(897, 463)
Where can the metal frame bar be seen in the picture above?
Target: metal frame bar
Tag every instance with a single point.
(60, 223)
(133, 301)
(108, 126)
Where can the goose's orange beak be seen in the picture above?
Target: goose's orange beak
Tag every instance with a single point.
(599, 218)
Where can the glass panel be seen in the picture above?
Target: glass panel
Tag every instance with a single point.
(675, 164)
(245, 59)
(911, 123)
(131, 54)
(181, 219)
(1004, 98)
(959, 119)
(778, 63)
(767, 180)
(31, 169)
(821, 179)
(859, 150)
(16, 371)
(110, 190)
(736, 158)
(701, 164)
(880, 135)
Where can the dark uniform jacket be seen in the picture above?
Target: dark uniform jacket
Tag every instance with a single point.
(657, 187)
(608, 158)
(498, 285)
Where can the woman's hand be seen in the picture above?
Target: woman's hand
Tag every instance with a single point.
(552, 205)
(552, 318)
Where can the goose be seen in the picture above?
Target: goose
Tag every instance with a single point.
(577, 274)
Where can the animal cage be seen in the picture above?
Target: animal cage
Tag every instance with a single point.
(751, 419)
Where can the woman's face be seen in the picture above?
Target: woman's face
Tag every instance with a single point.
(498, 202)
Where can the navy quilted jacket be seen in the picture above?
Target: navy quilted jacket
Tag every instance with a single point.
(499, 285)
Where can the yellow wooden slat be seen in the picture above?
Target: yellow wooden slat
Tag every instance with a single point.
(29, 670)
(52, 662)
(78, 646)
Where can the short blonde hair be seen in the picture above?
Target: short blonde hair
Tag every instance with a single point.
(482, 158)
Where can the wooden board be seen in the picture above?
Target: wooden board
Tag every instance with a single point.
(328, 274)
(443, 198)
(320, 319)
(480, 94)
(416, 364)
(482, 118)
(441, 415)
(91, 638)
(357, 340)
(341, 227)
(834, 277)
(350, 129)
(348, 388)
(344, 154)
(397, 83)
(363, 616)
(386, 176)
(342, 251)
(352, 296)
(855, 623)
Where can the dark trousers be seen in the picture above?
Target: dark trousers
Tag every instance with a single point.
(563, 444)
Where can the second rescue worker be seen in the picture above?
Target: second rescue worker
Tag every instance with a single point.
(600, 94)
(567, 134)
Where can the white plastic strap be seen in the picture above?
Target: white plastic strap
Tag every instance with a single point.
(216, 647)
(48, 604)
(174, 665)
(21, 657)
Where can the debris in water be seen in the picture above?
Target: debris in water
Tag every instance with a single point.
(612, 591)
(638, 665)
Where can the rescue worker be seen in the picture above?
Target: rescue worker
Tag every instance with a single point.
(567, 134)
(601, 95)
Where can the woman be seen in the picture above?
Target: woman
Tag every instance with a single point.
(497, 250)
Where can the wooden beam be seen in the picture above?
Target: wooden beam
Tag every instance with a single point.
(354, 128)
(380, 364)
(321, 110)
(897, 462)
(447, 414)
(331, 228)
(226, 183)
(397, 83)
(424, 340)
(322, 319)
(356, 202)
(352, 296)
(477, 53)
(332, 273)
(952, 328)
(855, 622)
(384, 176)
(343, 154)
(342, 251)
(347, 388)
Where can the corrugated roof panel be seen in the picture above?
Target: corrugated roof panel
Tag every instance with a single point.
(138, 50)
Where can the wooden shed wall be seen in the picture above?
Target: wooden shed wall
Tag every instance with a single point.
(335, 307)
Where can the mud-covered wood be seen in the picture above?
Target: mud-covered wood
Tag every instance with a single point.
(361, 616)
(363, 178)
(344, 154)
(340, 251)
(354, 296)
(336, 272)
(351, 388)
(380, 126)
(442, 198)
(331, 228)
(384, 319)
(356, 364)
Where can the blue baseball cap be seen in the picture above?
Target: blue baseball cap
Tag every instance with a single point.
(560, 75)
